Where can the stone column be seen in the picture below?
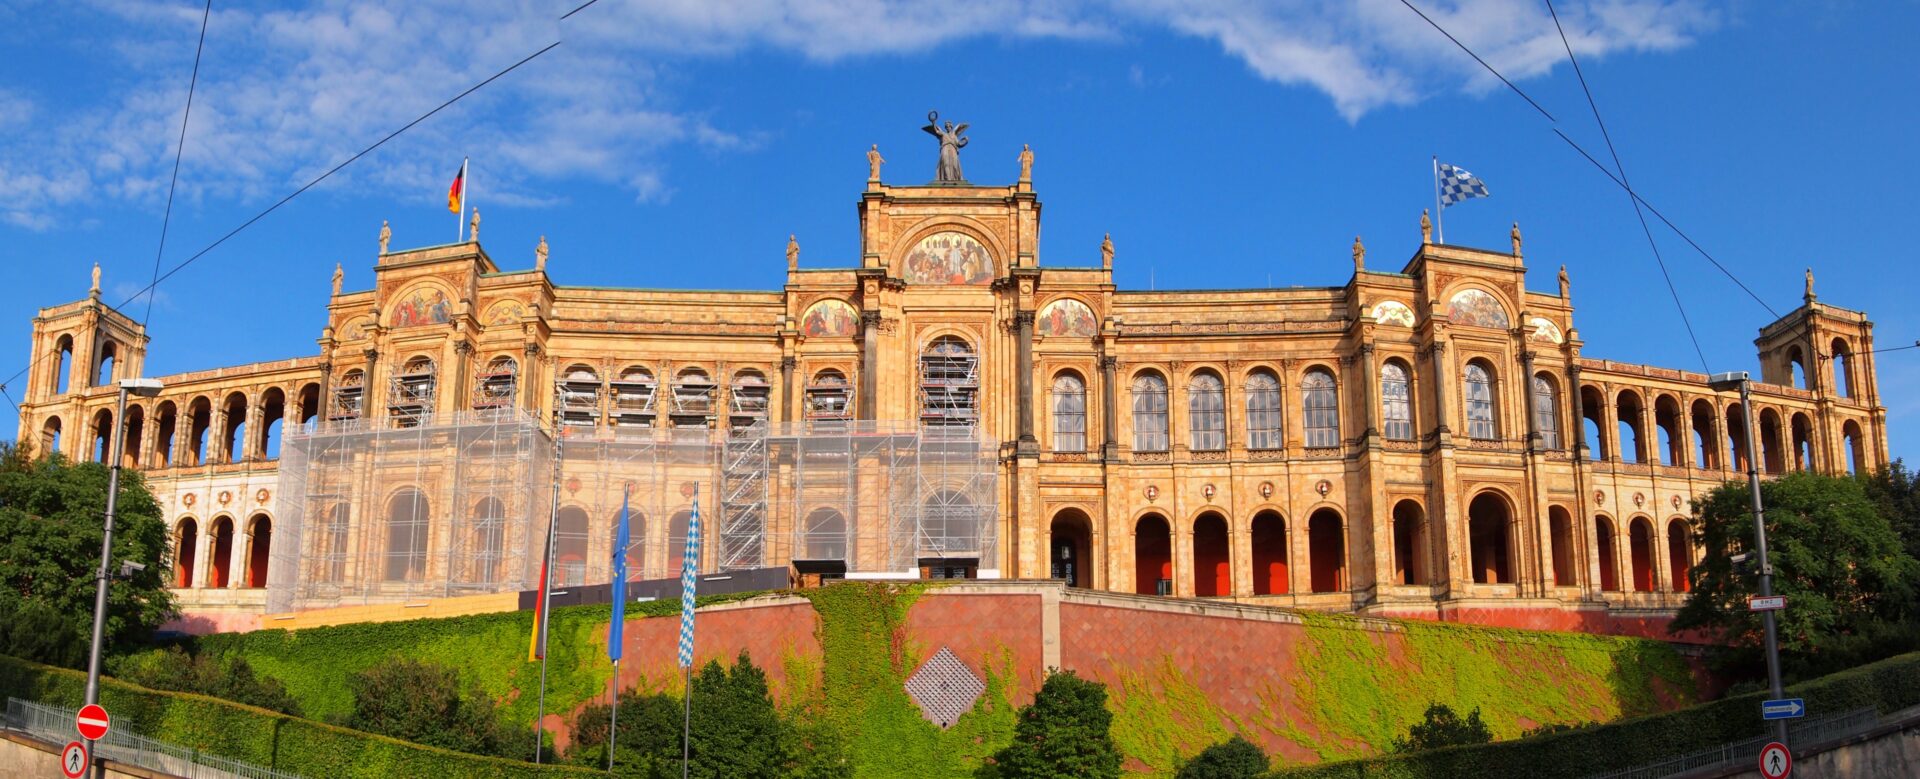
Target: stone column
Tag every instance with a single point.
(787, 411)
(1526, 400)
(1577, 426)
(1023, 332)
(869, 348)
(1441, 371)
(1109, 408)
(216, 430)
(1370, 437)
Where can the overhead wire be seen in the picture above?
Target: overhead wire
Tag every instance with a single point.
(179, 150)
(1624, 183)
(309, 185)
(1583, 152)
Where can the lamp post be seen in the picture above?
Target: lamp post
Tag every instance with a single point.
(1740, 380)
(145, 388)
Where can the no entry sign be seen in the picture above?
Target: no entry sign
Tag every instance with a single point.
(73, 760)
(1775, 761)
(92, 722)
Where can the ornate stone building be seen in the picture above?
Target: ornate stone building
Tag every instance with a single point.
(1429, 441)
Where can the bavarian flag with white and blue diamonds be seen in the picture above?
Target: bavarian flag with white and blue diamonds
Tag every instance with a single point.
(689, 573)
(1456, 184)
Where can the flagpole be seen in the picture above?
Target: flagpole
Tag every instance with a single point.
(1439, 211)
(544, 598)
(689, 561)
(613, 725)
(460, 216)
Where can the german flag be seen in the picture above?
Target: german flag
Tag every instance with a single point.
(458, 190)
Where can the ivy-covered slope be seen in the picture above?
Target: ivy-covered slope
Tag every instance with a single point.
(1356, 686)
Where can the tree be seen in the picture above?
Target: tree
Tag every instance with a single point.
(1235, 758)
(1062, 734)
(424, 703)
(51, 520)
(1440, 727)
(1896, 491)
(735, 730)
(1835, 557)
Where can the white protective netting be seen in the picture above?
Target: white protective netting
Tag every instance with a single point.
(461, 506)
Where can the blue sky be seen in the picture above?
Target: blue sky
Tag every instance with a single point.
(1224, 144)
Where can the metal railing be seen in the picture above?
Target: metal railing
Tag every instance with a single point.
(55, 724)
(1812, 731)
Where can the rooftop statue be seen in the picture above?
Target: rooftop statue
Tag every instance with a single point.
(952, 141)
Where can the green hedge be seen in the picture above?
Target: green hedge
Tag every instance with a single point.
(258, 736)
(488, 650)
(1888, 685)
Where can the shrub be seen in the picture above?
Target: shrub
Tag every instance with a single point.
(1062, 734)
(424, 703)
(225, 678)
(38, 631)
(735, 730)
(1235, 758)
(1440, 727)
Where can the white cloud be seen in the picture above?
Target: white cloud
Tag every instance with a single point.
(286, 93)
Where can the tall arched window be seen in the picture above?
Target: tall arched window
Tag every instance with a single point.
(1263, 411)
(1069, 413)
(1546, 412)
(1396, 402)
(1321, 403)
(1842, 368)
(1149, 413)
(1480, 403)
(949, 385)
(1207, 413)
(407, 519)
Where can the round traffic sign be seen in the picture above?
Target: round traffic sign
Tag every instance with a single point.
(92, 722)
(1775, 761)
(73, 760)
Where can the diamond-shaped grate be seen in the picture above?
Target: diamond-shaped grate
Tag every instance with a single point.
(944, 688)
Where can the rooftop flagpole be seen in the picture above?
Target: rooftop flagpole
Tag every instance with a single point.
(1439, 210)
(460, 213)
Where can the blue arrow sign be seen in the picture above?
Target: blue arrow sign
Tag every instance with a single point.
(1784, 708)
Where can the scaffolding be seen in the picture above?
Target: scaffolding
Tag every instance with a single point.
(377, 513)
(348, 397)
(374, 512)
(410, 392)
(494, 386)
(950, 386)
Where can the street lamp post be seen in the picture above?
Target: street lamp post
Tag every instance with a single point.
(1744, 382)
(145, 388)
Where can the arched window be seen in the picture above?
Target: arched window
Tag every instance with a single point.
(1797, 367)
(1842, 368)
(824, 536)
(494, 386)
(349, 396)
(1320, 402)
(1640, 542)
(829, 399)
(330, 564)
(410, 400)
(1327, 551)
(220, 546)
(259, 549)
(570, 547)
(1560, 533)
(949, 385)
(103, 377)
(1263, 411)
(1679, 554)
(1855, 448)
(1627, 410)
(132, 452)
(102, 437)
(1212, 564)
(1603, 544)
(1396, 402)
(1488, 521)
(1409, 543)
(1207, 413)
(407, 518)
(487, 538)
(1269, 548)
(1480, 403)
(1149, 413)
(1666, 431)
(1546, 412)
(692, 400)
(1069, 413)
(186, 541)
(677, 541)
(1152, 556)
(233, 438)
(1593, 411)
(273, 412)
(1070, 548)
(950, 523)
(1706, 452)
(62, 364)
